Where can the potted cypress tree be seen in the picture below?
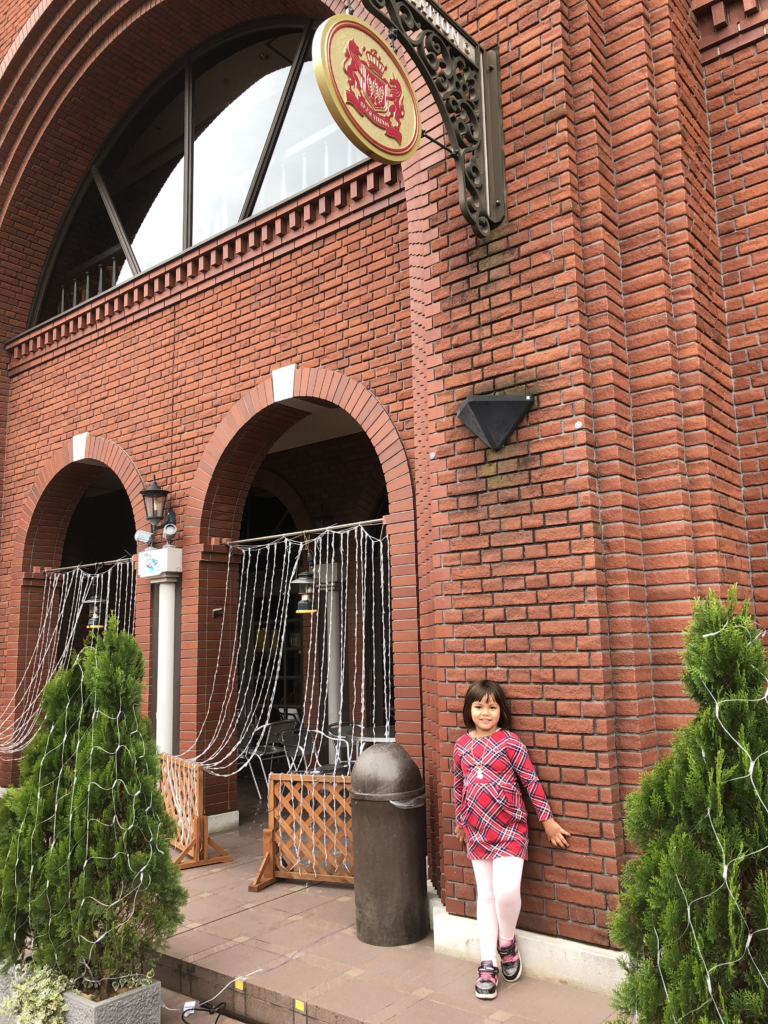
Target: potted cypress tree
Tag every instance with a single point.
(693, 907)
(89, 889)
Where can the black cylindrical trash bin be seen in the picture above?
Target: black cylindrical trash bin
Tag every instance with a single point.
(389, 830)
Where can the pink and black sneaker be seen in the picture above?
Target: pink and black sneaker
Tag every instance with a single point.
(511, 964)
(487, 980)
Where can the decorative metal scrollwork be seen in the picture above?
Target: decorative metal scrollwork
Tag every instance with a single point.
(464, 81)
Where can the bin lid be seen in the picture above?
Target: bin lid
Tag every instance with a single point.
(386, 771)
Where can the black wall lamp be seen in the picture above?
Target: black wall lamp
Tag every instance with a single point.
(493, 417)
(154, 508)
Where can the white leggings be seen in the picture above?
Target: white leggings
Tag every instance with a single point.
(498, 901)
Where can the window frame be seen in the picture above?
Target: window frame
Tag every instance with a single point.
(92, 175)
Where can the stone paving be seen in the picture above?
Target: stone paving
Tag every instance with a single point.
(173, 1004)
(295, 942)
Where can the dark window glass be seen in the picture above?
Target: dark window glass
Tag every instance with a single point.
(89, 257)
(235, 103)
(144, 173)
(310, 147)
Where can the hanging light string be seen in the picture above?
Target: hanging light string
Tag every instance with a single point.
(251, 662)
(235, 730)
(741, 855)
(67, 593)
(60, 825)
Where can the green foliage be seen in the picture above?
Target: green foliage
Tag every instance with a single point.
(87, 880)
(128, 981)
(123, 982)
(693, 908)
(36, 996)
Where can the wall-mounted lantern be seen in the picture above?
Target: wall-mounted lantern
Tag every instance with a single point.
(162, 567)
(493, 417)
(154, 507)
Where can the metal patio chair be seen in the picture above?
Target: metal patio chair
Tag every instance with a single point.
(341, 735)
(268, 749)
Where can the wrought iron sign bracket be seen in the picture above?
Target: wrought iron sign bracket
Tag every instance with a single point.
(466, 85)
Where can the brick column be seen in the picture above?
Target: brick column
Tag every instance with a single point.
(405, 634)
(207, 709)
(23, 627)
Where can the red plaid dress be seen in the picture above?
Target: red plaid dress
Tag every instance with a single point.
(490, 807)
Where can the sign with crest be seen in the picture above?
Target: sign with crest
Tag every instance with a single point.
(366, 89)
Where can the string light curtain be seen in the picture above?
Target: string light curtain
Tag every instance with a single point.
(344, 697)
(68, 595)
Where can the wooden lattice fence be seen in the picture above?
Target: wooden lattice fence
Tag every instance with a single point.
(182, 788)
(310, 830)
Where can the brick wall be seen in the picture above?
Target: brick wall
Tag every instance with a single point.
(165, 378)
(626, 293)
(736, 96)
(12, 21)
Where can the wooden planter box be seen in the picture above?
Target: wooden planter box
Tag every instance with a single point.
(140, 1006)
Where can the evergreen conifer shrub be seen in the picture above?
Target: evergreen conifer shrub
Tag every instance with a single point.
(88, 885)
(693, 909)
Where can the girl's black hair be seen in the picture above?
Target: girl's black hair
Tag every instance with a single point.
(487, 688)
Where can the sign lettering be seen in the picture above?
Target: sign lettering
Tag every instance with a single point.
(442, 24)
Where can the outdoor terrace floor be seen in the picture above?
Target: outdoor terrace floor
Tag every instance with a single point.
(301, 940)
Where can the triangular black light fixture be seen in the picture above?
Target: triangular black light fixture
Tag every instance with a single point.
(494, 417)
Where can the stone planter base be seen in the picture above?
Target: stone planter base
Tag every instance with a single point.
(5, 987)
(140, 1006)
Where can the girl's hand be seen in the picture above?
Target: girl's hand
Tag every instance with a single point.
(556, 833)
(461, 835)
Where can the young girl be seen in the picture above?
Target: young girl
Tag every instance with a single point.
(489, 762)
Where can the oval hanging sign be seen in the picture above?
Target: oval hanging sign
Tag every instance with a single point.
(366, 89)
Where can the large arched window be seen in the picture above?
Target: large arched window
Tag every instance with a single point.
(239, 128)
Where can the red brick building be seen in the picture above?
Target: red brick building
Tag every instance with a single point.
(626, 292)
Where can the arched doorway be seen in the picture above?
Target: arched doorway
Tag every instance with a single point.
(80, 539)
(80, 544)
(332, 672)
(79, 513)
(321, 455)
(96, 575)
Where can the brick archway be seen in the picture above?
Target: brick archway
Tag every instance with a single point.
(44, 518)
(50, 501)
(217, 492)
(216, 496)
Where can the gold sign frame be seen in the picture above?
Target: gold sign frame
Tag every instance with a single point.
(377, 102)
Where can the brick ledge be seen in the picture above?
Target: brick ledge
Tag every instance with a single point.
(728, 25)
(326, 209)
